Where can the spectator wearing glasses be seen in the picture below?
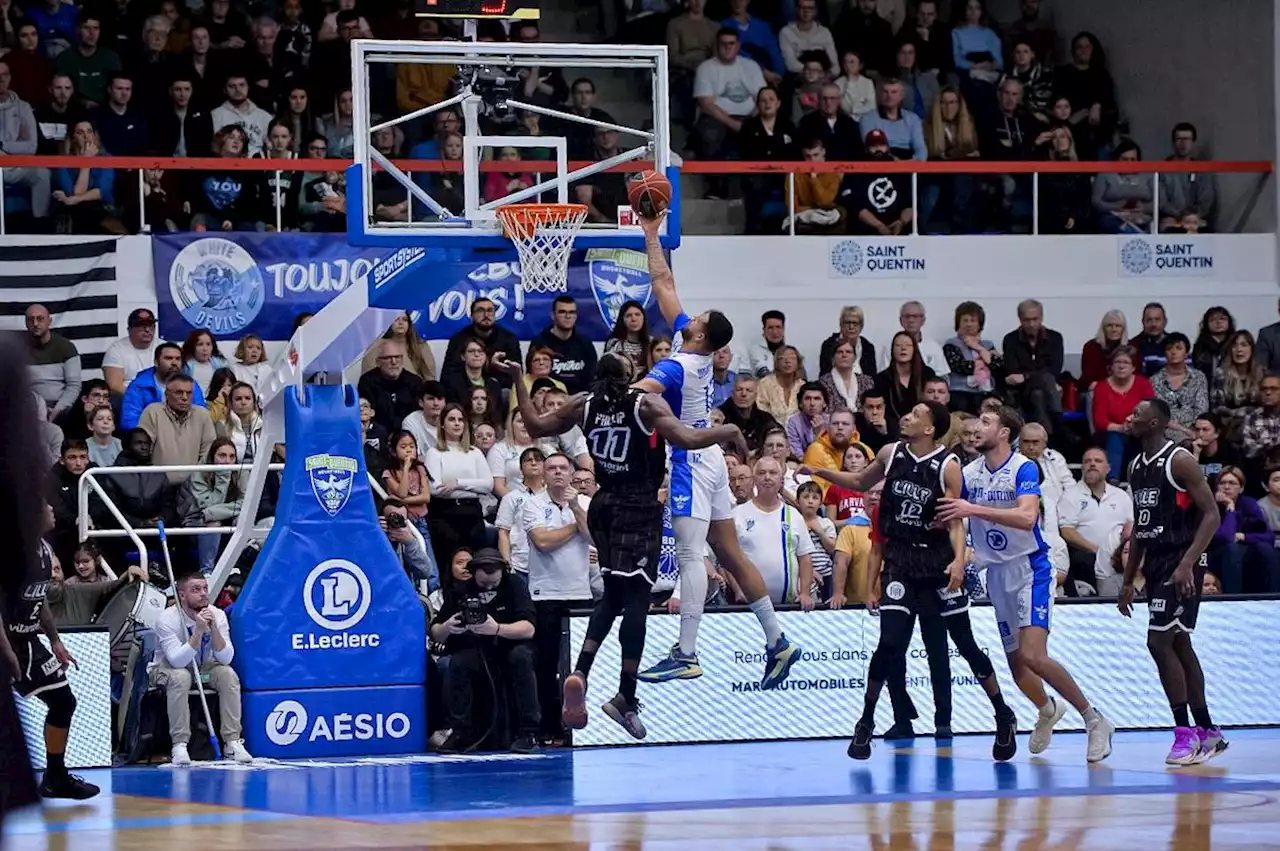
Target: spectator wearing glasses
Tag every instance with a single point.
(55, 363)
(390, 388)
(1260, 429)
(852, 321)
(574, 356)
(181, 432)
(838, 133)
(74, 421)
(1186, 199)
(483, 327)
(1243, 553)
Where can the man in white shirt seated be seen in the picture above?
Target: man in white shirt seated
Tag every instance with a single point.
(911, 317)
(1034, 443)
(1090, 514)
(725, 87)
(763, 523)
(194, 631)
(131, 354)
(559, 576)
(513, 541)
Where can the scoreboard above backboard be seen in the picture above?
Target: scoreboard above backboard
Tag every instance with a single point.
(525, 10)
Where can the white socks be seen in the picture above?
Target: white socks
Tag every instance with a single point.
(763, 610)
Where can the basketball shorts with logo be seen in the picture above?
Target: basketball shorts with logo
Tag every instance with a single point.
(39, 670)
(627, 532)
(1021, 593)
(1165, 609)
(700, 484)
(902, 591)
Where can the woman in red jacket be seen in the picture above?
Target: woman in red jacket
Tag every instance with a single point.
(1113, 401)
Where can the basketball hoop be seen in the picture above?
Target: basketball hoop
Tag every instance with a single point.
(543, 234)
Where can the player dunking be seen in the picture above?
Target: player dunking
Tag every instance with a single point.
(701, 504)
(923, 567)
(1175, 516)
(1001, 499)
(626, 431)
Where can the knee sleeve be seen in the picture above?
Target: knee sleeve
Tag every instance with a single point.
(62, 705)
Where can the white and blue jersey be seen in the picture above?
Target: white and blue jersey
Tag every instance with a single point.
(1020, 576)
(699, 480)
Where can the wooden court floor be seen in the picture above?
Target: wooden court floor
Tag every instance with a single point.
(781, 795)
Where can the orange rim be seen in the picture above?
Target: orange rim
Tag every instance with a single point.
(520, 220)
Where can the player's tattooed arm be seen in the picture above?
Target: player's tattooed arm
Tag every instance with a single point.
(661, 281)
(657, 415)
(864, 481)
(538, 424)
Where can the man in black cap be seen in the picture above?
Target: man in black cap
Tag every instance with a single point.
(131, 354)
(486, 626)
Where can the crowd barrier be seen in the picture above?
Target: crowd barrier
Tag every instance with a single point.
(89, 745)
(1104, 651)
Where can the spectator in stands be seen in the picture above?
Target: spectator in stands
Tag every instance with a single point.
(211, 499)
(847, 506)
(88, 65)
(573, 355)
(848, 378)
(74, 421)
(228, 27)
(149, 65)
(1216, 326)
(1086, 83)
(251, 362)
(1094, 518)
(55, 116)
(810, 420)
(84, 196)
(242, 423)
(418, 357)
(857, 92)
(233, 199)
(873, 420)
(19, 135)
(271, 74)
(1012, 132)
(763, 523)
(805, 34)
(143, 498)
(1237, 380)
(1096, 355)
(513, 541)
(1033, 442)
(419, 86)
(901, 383)
(180, 432)
(56, 22)
(149, 385)
(1186, 198)
(1065, 199)
(1033, 361)
(975, 48)
(741, 410)
(756, 40)
(284, 186)
(1260, 430)
(294, 38)
(1034, 28)
(184, 128)
(217, 392)
(838, 132)
(582, 103)
(201, 357)
(195, 632)
(55, 363)
(1212, 452)
(198, 64)
(1150, 343)
(504, 458)
(1243, 553)
(424, 423)
(777, 394)
(337, 126)
(932, 38)
(725, 88)
(902, 130)
(659, 348)
(483, 408)
(974, 363)
(880, 203)
(742, 484)
(411, 548)
(296, 115)
(329, 27)
(501, 184)
(919, 88)
(238, 110)
(459, 476)
(499, 646)
(1113, 402)
(483, 327)
(949, 135)
(808, 86)
(404, 475)
(1271, 504)
(937, 390)
(61, 488)
(1122, 200)
(911, 319)
(1183, 388)
(475, 374)
(828, 450)
(132, 353)
(1269, 347)
(390, 388)
(1036, 79)
(630, 336)
(860, 29)
(757, 357)
(851, 323)
(537, 376)
(722, 377)
(691, 40)
(548, 83)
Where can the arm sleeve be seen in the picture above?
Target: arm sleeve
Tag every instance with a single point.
(1027, 480)
(669, 373)
(228, 651)
(70, 382)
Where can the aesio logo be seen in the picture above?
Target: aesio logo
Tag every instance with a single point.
(288, 722)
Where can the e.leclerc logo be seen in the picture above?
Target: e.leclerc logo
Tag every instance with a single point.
(289, 721)
(336, 596)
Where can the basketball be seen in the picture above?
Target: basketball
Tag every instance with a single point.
(649, 193)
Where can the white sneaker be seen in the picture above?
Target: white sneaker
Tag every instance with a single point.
(235, 750)
(179, 755)
(1050, 714)
(1100, 731)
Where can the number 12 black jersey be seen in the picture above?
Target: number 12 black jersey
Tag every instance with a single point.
(912, 487)
(628, 455)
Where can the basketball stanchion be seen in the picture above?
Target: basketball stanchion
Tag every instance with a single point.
(195, 666)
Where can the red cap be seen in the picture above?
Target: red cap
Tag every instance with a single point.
(877, 137)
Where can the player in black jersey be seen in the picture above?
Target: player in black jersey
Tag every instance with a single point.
(923, 573)
(1175, 516)
(625, 431)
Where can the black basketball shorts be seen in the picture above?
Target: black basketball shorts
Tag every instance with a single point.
(1165, 609)
(39, 670)
(627, 532)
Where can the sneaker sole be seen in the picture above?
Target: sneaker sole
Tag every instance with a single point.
(690, 673)
(772, 680)
(574, 712)
(1192, 759)
(637, 732)
(1205, 756)
(1059, 710)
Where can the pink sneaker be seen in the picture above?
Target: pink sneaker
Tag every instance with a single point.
(1212, 743)
(1186, 747)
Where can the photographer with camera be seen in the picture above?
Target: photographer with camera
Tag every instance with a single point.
(414, 554)
(486, 627)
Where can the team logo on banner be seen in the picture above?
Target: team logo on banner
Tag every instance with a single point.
(331, 477)
(215, 284)
(617, 277)
(336, 594)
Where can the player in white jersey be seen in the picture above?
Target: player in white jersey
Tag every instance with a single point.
(1000, 496)
(701, 505)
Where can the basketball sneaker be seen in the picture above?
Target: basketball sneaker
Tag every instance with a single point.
(677, 666)
(1050, 714)
(1100, 730)
(781, 658)
(574, 712)
(63, 785)
(860, 745)
(626, 715)
(1186, 747)
(1212, 743)
(1006, 743)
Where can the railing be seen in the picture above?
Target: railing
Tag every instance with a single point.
(915, 168)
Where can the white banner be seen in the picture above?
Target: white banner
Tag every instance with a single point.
(89, 745)
(1166, 257)
(1105, 652)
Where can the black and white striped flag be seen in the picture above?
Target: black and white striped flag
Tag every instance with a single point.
(75, 280)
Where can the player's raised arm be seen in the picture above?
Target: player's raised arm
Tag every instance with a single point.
(657, 415)
(662, 282)
(547, 424)
(864, 481)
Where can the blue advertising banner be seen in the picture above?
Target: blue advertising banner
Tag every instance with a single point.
(239, 283)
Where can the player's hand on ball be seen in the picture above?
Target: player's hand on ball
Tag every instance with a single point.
(651, 224)
(1125, 601)
(500, 364)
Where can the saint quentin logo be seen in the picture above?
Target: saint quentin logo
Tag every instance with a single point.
(331, 479)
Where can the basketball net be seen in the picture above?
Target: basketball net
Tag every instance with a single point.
(543, 235)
